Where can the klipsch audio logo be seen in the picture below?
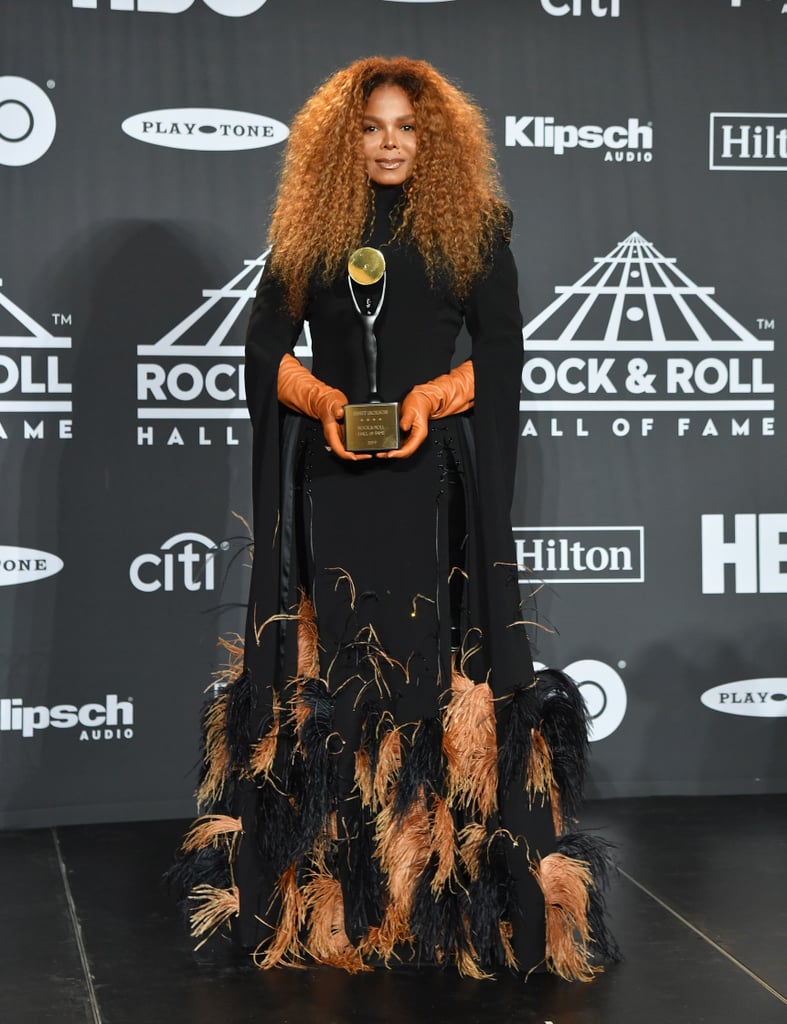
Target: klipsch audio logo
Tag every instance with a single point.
(111, 720)
(27, 121)
(206, 129)
(635, 337)
(26, 565)
(603, 692)
(31, 377)
(631, 142)
(228, 8)
(746, 553)
(580, 554)
(185, 561)
(598, 8)
(190, 385)
(749, 698)
(748, 142)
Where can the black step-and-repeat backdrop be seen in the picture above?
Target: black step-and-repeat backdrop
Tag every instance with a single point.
(643, 144)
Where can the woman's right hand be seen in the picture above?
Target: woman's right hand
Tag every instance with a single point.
(300, 390)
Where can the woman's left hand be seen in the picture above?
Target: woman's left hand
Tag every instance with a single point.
(414, 417)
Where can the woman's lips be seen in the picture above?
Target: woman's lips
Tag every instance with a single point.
(389, 165)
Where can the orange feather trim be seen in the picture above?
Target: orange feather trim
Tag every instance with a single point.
(541, 778)
(210, 830)
(566, 884)
(217, 907)
(263, 752)
(470, 746)
(443, 844)
(284, 948)
(308, 665)
(327, 939)
(217, 758)
(472, 842)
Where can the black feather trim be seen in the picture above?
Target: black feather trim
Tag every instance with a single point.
(492, 900)
(320, 748)
(565, 729)
(208, 866)
(439, 923)
(362, 880)
(597, 853)
(277, 829)
(423, 767)
(521, 716)
(240, 732)
(372, 732)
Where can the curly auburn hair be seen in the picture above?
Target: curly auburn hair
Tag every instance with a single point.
(454, 206)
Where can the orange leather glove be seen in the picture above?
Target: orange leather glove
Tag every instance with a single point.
(300, 390)
(447, 395)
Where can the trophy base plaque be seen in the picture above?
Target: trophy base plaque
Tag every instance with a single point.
(371, 427)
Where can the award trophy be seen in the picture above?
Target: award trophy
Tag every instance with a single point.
(373, 425)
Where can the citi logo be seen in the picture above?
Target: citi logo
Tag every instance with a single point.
(205, 129)
(27, 121)
(580, 554)
(227, 8)
(748, 555)
(749, 698)
(603, 691)
(185, 560)
(631, 142)
(598, 8)
(114, 719)
(748, 142)
(26, 565)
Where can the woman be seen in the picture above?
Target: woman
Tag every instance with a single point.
(385, 775)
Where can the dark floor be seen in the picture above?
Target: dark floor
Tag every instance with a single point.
(700, 910)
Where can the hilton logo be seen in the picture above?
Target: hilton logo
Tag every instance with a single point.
(748, 142)
(580, 554)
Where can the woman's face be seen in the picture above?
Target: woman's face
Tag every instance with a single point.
(389, 135)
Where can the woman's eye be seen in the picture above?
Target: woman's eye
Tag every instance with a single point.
(370, 128)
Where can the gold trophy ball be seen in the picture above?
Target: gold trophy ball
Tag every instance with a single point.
(366, 265)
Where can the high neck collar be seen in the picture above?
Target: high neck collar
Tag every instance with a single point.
(386, 197)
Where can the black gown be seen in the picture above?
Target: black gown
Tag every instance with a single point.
(385, 777)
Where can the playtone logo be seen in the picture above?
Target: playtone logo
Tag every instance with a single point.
(227, 8)
(749, 698)
(205, 129)
(629, 143)
(598, 8)
(27, 121)
(114, 719)
(748, 142)
(580, 554)
(191, 567)
(26, 565)
(634, 335)
(755, 549)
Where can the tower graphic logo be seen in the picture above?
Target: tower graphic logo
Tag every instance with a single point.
(191, 379)
(31, 381)
(636, 335)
